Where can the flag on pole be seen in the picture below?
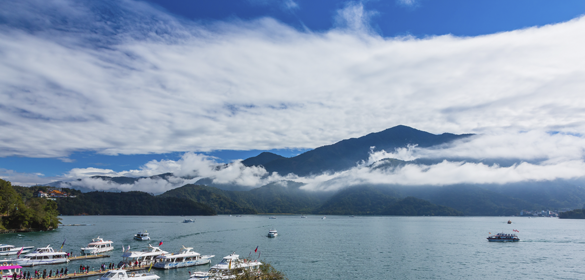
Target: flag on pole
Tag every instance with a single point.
(150, 266)
(256, 250)
(160, 243)
(122, 248)
(230, 266)
(128, 248)
(63, 244)
(19, 252)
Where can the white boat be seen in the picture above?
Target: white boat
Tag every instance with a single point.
(183, 258)
(303, 217)
(142, 236)
(7, 250)
(188, 221)
(42, 256)
(120, 274)
(98, 245)
(7, 270)
(272, 217)
(503, 237)
(272, 233)
(230, 267)
(144, 257)
(323, 218)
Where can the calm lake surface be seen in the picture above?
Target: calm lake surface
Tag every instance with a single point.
(342, 247)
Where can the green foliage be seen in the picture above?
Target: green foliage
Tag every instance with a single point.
(381, 201)
(358, 201)
(130, 203)
(412, 206)
(268, 272)
(469, 199)
(575, 214)
(272, 198)
(36, 213)
(212, 197)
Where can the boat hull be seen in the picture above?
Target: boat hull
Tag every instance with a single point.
(142, 238)
(503, 240)
(170, 265)
(96, 250)
(25, 262)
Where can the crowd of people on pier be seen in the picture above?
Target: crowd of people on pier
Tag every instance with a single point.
(58, 273)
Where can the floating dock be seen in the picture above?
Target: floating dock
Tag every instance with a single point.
(87, 257)
(96, 273)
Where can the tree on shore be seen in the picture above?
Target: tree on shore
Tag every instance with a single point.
(36, 213)
(267, 272)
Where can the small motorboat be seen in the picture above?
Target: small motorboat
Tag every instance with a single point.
(185, 257)
(188, 221)
(503, 237)
(98, 245)
(43, 256)
(7, 250)
(230, 267)
(142, 236)
(272, 233)
(121, 274)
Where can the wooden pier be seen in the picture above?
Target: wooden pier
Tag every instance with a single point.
(87, 257)
(97, 273)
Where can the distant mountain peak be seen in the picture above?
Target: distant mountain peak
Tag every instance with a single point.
(262, 159)
(347, 153)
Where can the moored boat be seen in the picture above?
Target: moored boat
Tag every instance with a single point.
(98, 245)
(503, 237)
(121, 274)
(144, 257)
(7, 270)
(42, 256)
(7, 250)
(230, 267)
(183, 258)
(142, 236)
(188, 221)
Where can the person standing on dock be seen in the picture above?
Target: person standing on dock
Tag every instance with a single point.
(44, 273)
(66, 271)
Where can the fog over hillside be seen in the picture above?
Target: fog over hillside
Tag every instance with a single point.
(480, 159)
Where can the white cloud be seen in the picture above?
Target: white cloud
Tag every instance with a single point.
(528, 146)
(264, 85)
(407, 2)
(355, 18)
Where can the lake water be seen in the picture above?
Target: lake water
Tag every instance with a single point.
(342, 247)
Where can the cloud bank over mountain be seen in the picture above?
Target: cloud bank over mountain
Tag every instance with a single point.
(459, 162)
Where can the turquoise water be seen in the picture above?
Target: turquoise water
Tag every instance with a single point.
(342, 247)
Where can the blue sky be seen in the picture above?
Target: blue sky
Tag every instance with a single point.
(125, 87)
(390, 18)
